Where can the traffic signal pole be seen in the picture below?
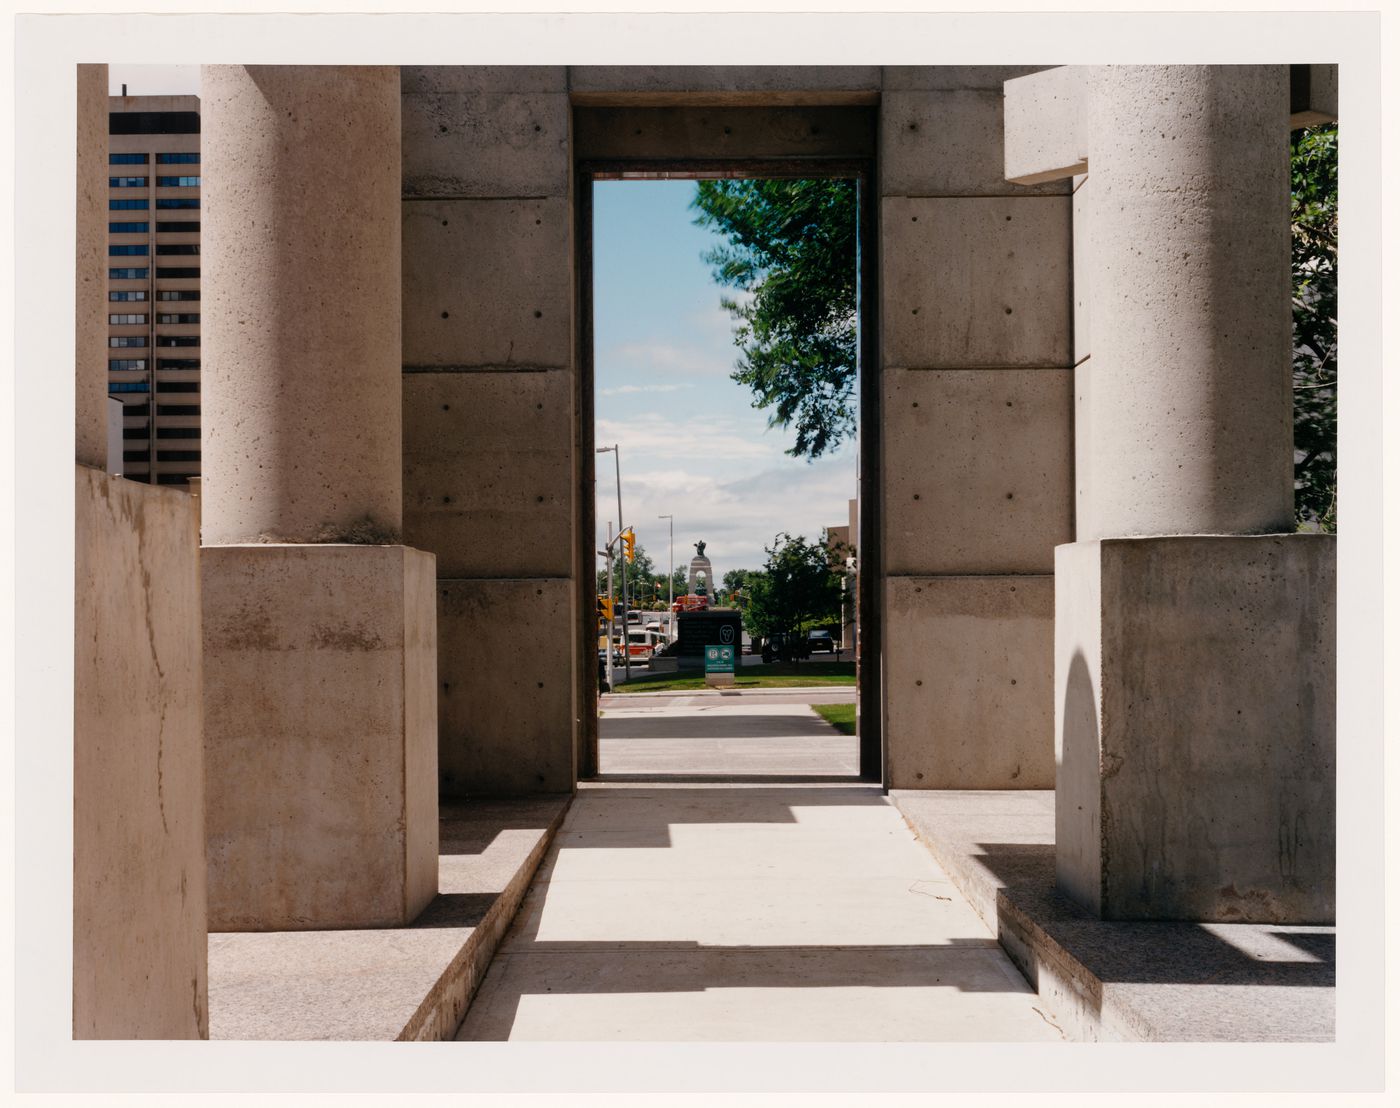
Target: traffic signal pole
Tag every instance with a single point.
(626, 642)
(612, 609)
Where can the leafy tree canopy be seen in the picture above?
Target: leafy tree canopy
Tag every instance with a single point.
(641, 579)
(792, 251)
(796, 586)
(1314, 219)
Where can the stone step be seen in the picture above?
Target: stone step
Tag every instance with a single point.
(409, 983)
(1103, 980)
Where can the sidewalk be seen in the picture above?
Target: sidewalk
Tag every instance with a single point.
(668, 911)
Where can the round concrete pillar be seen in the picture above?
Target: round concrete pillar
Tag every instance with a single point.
(301, 385)
(1190, 400)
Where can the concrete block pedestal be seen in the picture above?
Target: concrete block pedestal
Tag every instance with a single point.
(139, 936)
(321, 735)
(1195, 738)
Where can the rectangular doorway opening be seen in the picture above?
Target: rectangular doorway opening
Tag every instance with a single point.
(727, 423)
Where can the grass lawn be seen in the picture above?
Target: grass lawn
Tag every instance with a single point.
(840, 716)
(779, 675)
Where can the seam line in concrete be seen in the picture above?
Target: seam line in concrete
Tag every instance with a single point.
(487, 368)
(439, 197)
(973, 368)
(969, 196)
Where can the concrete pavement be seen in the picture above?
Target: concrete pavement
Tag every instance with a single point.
(713, 737)
(767, 907)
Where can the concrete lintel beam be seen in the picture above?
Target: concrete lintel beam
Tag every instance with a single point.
(1312, 95)
(1045, 133)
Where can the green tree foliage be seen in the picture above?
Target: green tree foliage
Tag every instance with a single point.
(641, 581)
(796, 586)
(1314, 219)
(792, 250)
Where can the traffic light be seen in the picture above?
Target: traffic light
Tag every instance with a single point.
(605, 609)
(629, 544)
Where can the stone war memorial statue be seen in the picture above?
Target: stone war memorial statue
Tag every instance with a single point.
(702, 574)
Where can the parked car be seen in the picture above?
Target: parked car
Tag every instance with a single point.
(785, 648)
(820, 642)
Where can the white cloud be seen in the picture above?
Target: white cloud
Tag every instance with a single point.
(737, 510)
(626, 390)
(667, 358)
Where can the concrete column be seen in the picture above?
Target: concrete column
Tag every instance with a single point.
(91, 283)
(975, 436)
(320, 635)
(1194, 649)
(301, 304)
(1191, 405)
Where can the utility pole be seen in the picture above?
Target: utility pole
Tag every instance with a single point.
(670, 576)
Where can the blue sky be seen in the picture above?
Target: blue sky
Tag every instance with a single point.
(691, 442)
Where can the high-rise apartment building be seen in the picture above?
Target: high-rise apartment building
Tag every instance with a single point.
(153, 283)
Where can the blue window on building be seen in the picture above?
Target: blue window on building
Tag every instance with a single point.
(178, 294)
(129, 250)
(128, 159)
(128, 205)
(176, 182)
(128, 274)
(127, 294)
(177, 202)
(121, 364)
(128, 386)
(177, 363)
(127, 340)
(126, 182)
(128, 228)
(178, 159)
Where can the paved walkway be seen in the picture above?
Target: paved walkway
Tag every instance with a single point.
(765, 908)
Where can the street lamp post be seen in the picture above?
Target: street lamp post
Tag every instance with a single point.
(671, 575)
(626, 646)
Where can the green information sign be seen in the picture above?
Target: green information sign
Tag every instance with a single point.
(719, 659)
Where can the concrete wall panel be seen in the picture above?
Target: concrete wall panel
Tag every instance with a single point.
(975, 282)
(484, 78)
(1046, 136)
(1215, 752)
(947, 143)
(969, 672)
(715, 132)
(506, 686)
(488, 478)
(979, 470)
(990, 78)
(316, 787)
(485, 144)
(487, 283)
(139, 900)
(764, 85)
